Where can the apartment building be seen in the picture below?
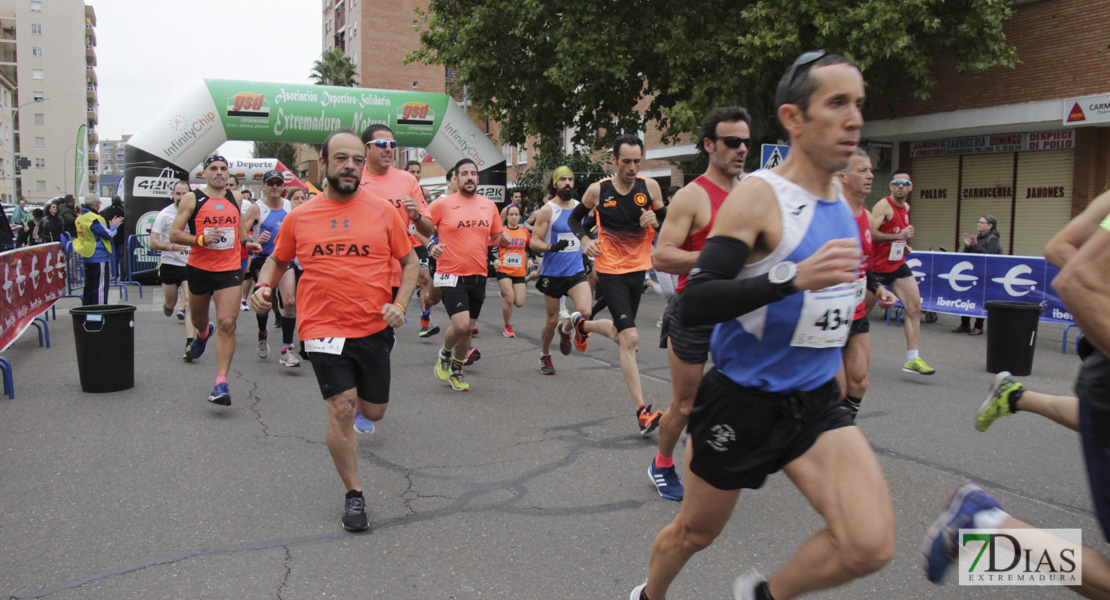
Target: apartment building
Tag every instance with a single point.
(48, 48)
(111, 156)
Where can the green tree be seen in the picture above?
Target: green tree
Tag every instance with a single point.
(283, 151)
(533, 180)
(334, 68)
(538, 66)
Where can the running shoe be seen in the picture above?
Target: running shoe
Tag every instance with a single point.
(430, 330)
(472, 356)
(188, 353)
(289, 358)
(1000, 402)
(443, 367)
(666, 481)
(181, 314)
(564, 314)
(243, 306)
(509, 333)
(457, 383)
(659, 323)
(263, 345)
(220, 395)
(746, 585)
(354, 513)
(637, 592)
(941, 546)
(919, 366)
(546, 367)
(564, 338)
(362, 424)
(475, 332)
(167, 310)
(648, 420)
(581, 338)
(197, 349)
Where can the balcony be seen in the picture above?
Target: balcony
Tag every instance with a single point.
(92, 118)
(90, 37)
(90, 75)
(93, 138)
(90, 93)
(90, 16)
(90, 55)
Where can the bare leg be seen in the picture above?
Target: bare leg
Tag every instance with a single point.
(341, 438)
(457, 337)
(1096, 569)
(1061, 409)
(227, 311)
(906, 290)
(506, 286)
(551, 321)
(685, 378)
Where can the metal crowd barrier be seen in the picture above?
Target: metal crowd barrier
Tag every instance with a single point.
(142, 259)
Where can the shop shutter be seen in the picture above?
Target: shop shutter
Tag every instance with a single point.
(1044, 193)
(932, 201)
(987, 189)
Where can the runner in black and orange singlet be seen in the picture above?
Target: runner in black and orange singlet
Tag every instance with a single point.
(346, 241)
(725, 138)
(208, 219)
(629, 209)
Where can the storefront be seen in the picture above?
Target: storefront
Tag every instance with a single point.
(1023, 179)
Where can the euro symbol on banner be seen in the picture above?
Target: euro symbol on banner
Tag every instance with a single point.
(957, 276)
(1014, 277)
(915, 263)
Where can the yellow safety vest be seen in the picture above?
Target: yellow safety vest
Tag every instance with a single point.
(85, 242)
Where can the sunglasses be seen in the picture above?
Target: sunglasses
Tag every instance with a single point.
(799, 66)
(734, 142)
(984, 222)
(276, 182)
(383, 143)
(902, 182)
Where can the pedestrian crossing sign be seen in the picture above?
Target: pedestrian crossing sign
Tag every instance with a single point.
(772, 155)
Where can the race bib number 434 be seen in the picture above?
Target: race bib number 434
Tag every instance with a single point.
(826, 317)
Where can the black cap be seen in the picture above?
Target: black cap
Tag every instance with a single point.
(273, 174)
(211, 158)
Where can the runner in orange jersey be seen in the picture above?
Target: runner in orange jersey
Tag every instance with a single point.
(512, 267)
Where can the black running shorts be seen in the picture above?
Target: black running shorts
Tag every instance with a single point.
(888, 279)
(468, 294)
(422, 254)
(256, 266)
(1093, 390)
(860, 325)
(741, 435)
(515, 280)
(690, 344)
(362, 365)
(622, 294)
(557, 287)
(171, 274)
(203, 282)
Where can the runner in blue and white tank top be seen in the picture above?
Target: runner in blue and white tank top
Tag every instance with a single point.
(561, 273)
(778, 277)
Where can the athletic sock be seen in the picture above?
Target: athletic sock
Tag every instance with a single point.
(456, 365)
(562, 303)
(188, 341)
(354, 493)
(262, 319)
(664, 462)
(763, 591)
(990, 518)
(853, 403)
(1014, 397)
(221, 379)
(203, 333)
(911, 355)
(288, 327)
(444, 351)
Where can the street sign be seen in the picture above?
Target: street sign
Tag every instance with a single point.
(772, 155)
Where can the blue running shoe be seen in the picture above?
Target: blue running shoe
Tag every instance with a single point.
(941, 546)
(362, 424)
(220, 395)
(666, 481)
(200, 344)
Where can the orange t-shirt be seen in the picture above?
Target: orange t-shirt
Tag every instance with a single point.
(346, 250)
(514, 258)
(393, 186)
(464, 227)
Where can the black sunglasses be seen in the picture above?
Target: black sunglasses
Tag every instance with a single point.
(799, 66)
(734, 142)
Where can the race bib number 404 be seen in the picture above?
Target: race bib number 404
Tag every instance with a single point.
(826, 317)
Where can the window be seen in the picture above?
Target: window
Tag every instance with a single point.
(40, 142)
(40, 186)
(414, 24)
(507, 152)
(36, 50)
(40, 163)
(36, 6)
(38, 96)
(521, 154)
(36, 73)
(415, 85)
(40, 119)
(36, 29)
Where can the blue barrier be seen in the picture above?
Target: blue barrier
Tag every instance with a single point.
(75, 276)
(141, 259)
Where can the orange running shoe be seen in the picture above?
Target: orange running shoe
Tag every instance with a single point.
(648, 420)
(581, 338)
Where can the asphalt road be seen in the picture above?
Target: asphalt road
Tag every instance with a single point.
(526, 487)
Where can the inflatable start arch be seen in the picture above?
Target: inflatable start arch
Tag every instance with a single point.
(213, 111)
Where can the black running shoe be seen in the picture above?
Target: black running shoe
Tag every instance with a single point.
(354, 513)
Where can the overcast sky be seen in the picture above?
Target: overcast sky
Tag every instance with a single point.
(144, 48)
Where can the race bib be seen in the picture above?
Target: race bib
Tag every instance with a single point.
(897, 249)
(826, 317)
(861, 290)
(513, 260)
(325, 345)
(573, 246)
(226, 236)
(445, 280)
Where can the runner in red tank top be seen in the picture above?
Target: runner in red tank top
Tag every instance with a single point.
(856, 180)
(891, 232)
(213, 271)
(725, 137)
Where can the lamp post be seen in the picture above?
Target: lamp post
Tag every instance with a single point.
(15, 155)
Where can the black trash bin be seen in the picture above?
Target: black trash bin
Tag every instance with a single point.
(1012, 336)
(105, 338)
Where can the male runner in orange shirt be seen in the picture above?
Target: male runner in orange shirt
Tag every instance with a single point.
(347, 241)
(467, 224)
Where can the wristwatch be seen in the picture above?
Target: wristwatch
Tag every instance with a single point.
(781, 277)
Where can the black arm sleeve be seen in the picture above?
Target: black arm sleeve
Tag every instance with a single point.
(713, 294)
(661, 214)
(574, 221)
(872, 282)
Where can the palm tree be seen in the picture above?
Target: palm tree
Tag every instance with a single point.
(334, 68)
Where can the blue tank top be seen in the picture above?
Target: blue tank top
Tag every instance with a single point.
(270, 220)
(567, 261)
(793, 344)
